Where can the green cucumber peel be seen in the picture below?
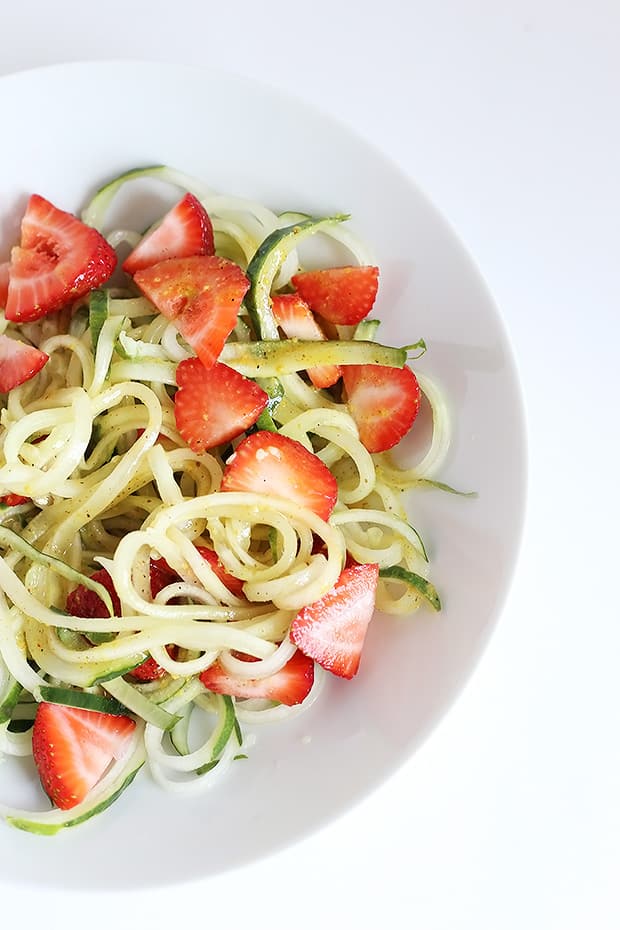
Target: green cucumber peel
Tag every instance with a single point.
(366, 330)
(227, 725)
(11, 540)
(442, 486)
(21, 725)
(71, 697)
(272, 359)
(419, 346)
(95, 211)
(422, 585)
(140, 704)
(51, 824)
(266, 263)
(9, 698)
(98, 311)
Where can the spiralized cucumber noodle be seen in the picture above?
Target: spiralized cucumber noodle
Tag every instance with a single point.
(82, 440)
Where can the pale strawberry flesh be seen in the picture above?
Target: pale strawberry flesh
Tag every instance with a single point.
(274, 465)
(184, 231)
(332, 630)
(73, 748)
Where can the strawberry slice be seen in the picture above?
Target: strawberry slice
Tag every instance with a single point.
(13, 500)
(58, 260)
(383, 401)
(234, 585)
(214, 404)
(341, 295)
(185, 230)
(272, 464)
(332, 630)
(72, 749)
(18, 363)
(290, 685)
(82, 602)
(4, 283)
(295, 318)
(201, 295)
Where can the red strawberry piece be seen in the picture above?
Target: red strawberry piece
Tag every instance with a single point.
(185, 230)
(201, 295)
(234, 585)
(13, 500)
(383, 401)
(4, 283)
(341, 295)
(214, 404)
(295, 318)
(58, 260)
(72, 749)
(332, 630)
(82, 602)
(272, 464)
(18, 363)
(288, 686)
(161, 576)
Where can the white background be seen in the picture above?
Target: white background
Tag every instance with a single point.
(506, 114)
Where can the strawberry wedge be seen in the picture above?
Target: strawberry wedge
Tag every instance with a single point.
(271, 464)
(58, 260)
(341, 295)
(201, 295)
(295, 318)
(18, 363)
(213, 405)
(185, 230)
(332, 630)
(73, 748)
(291, 685)
(4, 283)
(82, 602)
(383, 401)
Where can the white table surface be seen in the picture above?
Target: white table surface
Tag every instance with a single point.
(506, 114)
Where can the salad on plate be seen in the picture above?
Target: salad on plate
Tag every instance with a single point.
(200, 512)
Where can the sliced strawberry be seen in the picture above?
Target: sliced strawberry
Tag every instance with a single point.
(82, 602)
(4, 283)
(383, 401)
(201, 295)
(295, 318)
(185, 230)
(161, 576)
(13, 500)
(332, 630)
(288, 686)
(272, 464)
(72, 749)
(234, 585)
(214, 404)
(58, 260)
(341, 295)
(18, 363)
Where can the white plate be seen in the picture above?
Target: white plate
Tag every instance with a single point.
(79, 125)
